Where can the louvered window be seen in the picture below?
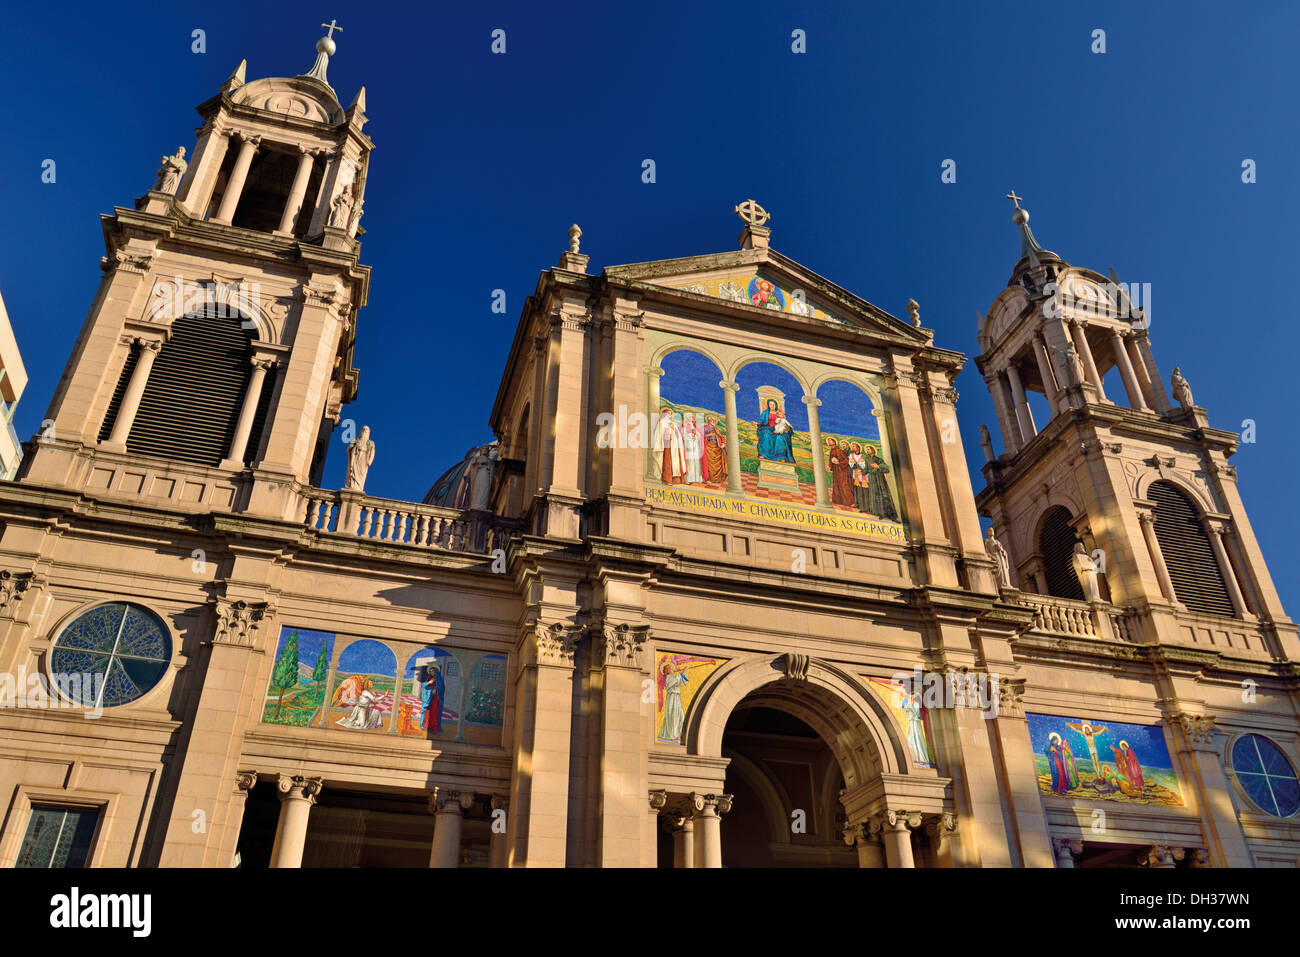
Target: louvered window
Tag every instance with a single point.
(1056, 540)
(195, 391)
(1197, 577)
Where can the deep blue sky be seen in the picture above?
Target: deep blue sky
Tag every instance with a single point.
(1130, 160)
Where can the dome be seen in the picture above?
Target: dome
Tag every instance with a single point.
(452, 488)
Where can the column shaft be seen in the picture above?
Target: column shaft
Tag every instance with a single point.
(235, 185)
(818, 452)
(244, 427)
(297, 795)
(1080, 337)
(1126, 372)
(1142, 373)
(449, 807)
(293, 206)
(1229, 573)
(734, 486)
(1024, 415)
(1045, 373)
(898, 844)
(684, 844)
(134, 391)
(1157, 556)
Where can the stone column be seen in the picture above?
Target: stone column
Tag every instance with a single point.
(1153, 373)
(866, 837)
(297, 795)
(818, 452)
(297, 192)
(449, 808)
(681, 826)
(1007, 425)
(499, 847)
(1194, 741)
(654, 457)
(940, 828)
(618, 671)
(1142, 372)
(709, 809)
(235, 185)
(1066, 849)
(1148, 522)
(1164, 856)
(1126, 372)
(1045, 373)
(1023, 413)
(126, 412)
(1080, 337)
(897, 836)
(239, 444)
(1229, 573)
(729, 390)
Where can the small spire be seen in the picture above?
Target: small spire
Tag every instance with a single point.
(236, 79)
(574, 235)
(914, 311)
(325, 48)
(1028, 244)
(571, 259)
(358, 101)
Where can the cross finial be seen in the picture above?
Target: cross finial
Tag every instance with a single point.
(1014, 198)
(752, 213)
(332, 26)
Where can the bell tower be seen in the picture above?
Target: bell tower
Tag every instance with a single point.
(1141, 481)
(217, 354)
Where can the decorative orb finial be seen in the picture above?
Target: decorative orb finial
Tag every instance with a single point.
(327, 46)
(914, 312)
(574, 235)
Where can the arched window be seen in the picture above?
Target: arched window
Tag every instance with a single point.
(195, 391)
(1266, 775)
(1056, 540)
(110, 655)
(1193, 568)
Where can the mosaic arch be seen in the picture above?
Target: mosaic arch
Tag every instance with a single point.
(781, 441)
(325, 681)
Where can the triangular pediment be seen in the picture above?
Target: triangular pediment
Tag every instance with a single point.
(765, 280)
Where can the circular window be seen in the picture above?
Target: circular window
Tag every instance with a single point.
(110, 655)
(1266, 775)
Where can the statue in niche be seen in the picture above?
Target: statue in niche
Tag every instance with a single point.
(1086, 572)
(998, 553)
(170, 172)
(1182, 391)
(361, 453)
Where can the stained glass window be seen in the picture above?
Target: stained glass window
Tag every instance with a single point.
(113, 654)
(57, 837)
(1266, 775)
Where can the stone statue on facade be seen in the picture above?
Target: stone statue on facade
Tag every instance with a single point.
(361, 453)
(998, 553)
(1182, 391)
(341, 209)
(1086, 571)
(170, 172)
(483, 465)
(986, 443)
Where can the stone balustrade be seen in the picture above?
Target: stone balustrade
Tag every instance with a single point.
(395, 522)
(1060, 616)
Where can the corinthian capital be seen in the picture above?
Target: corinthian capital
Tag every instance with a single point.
(618, 645)
(555, 644)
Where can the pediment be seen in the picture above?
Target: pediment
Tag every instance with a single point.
(765, 280)
(298, 97)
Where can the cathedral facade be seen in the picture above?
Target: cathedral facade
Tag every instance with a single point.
(718, 594)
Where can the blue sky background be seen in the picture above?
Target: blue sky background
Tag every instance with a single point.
(1130, 160)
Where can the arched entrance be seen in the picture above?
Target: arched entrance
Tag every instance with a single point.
(812, 754)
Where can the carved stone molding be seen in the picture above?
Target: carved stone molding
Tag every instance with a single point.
(245, 780)
(443, 800)
(11, 586)
(628, 321)
(794, 666)
(239, 621)
(940, 826)
(316, 295)
(708, 804)
(1062, 846)
(500, 802)
(1199, 857)
(895, 819)
(618, 645)
(1010, 693)
(298, 788)
(1199, 728)
(1164, 855)
(945, 394)
(127, 261)
(658, 800)
(555, 644)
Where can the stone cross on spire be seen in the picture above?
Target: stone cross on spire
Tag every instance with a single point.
(755, 234)
(325, 48)
(1014, 198)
